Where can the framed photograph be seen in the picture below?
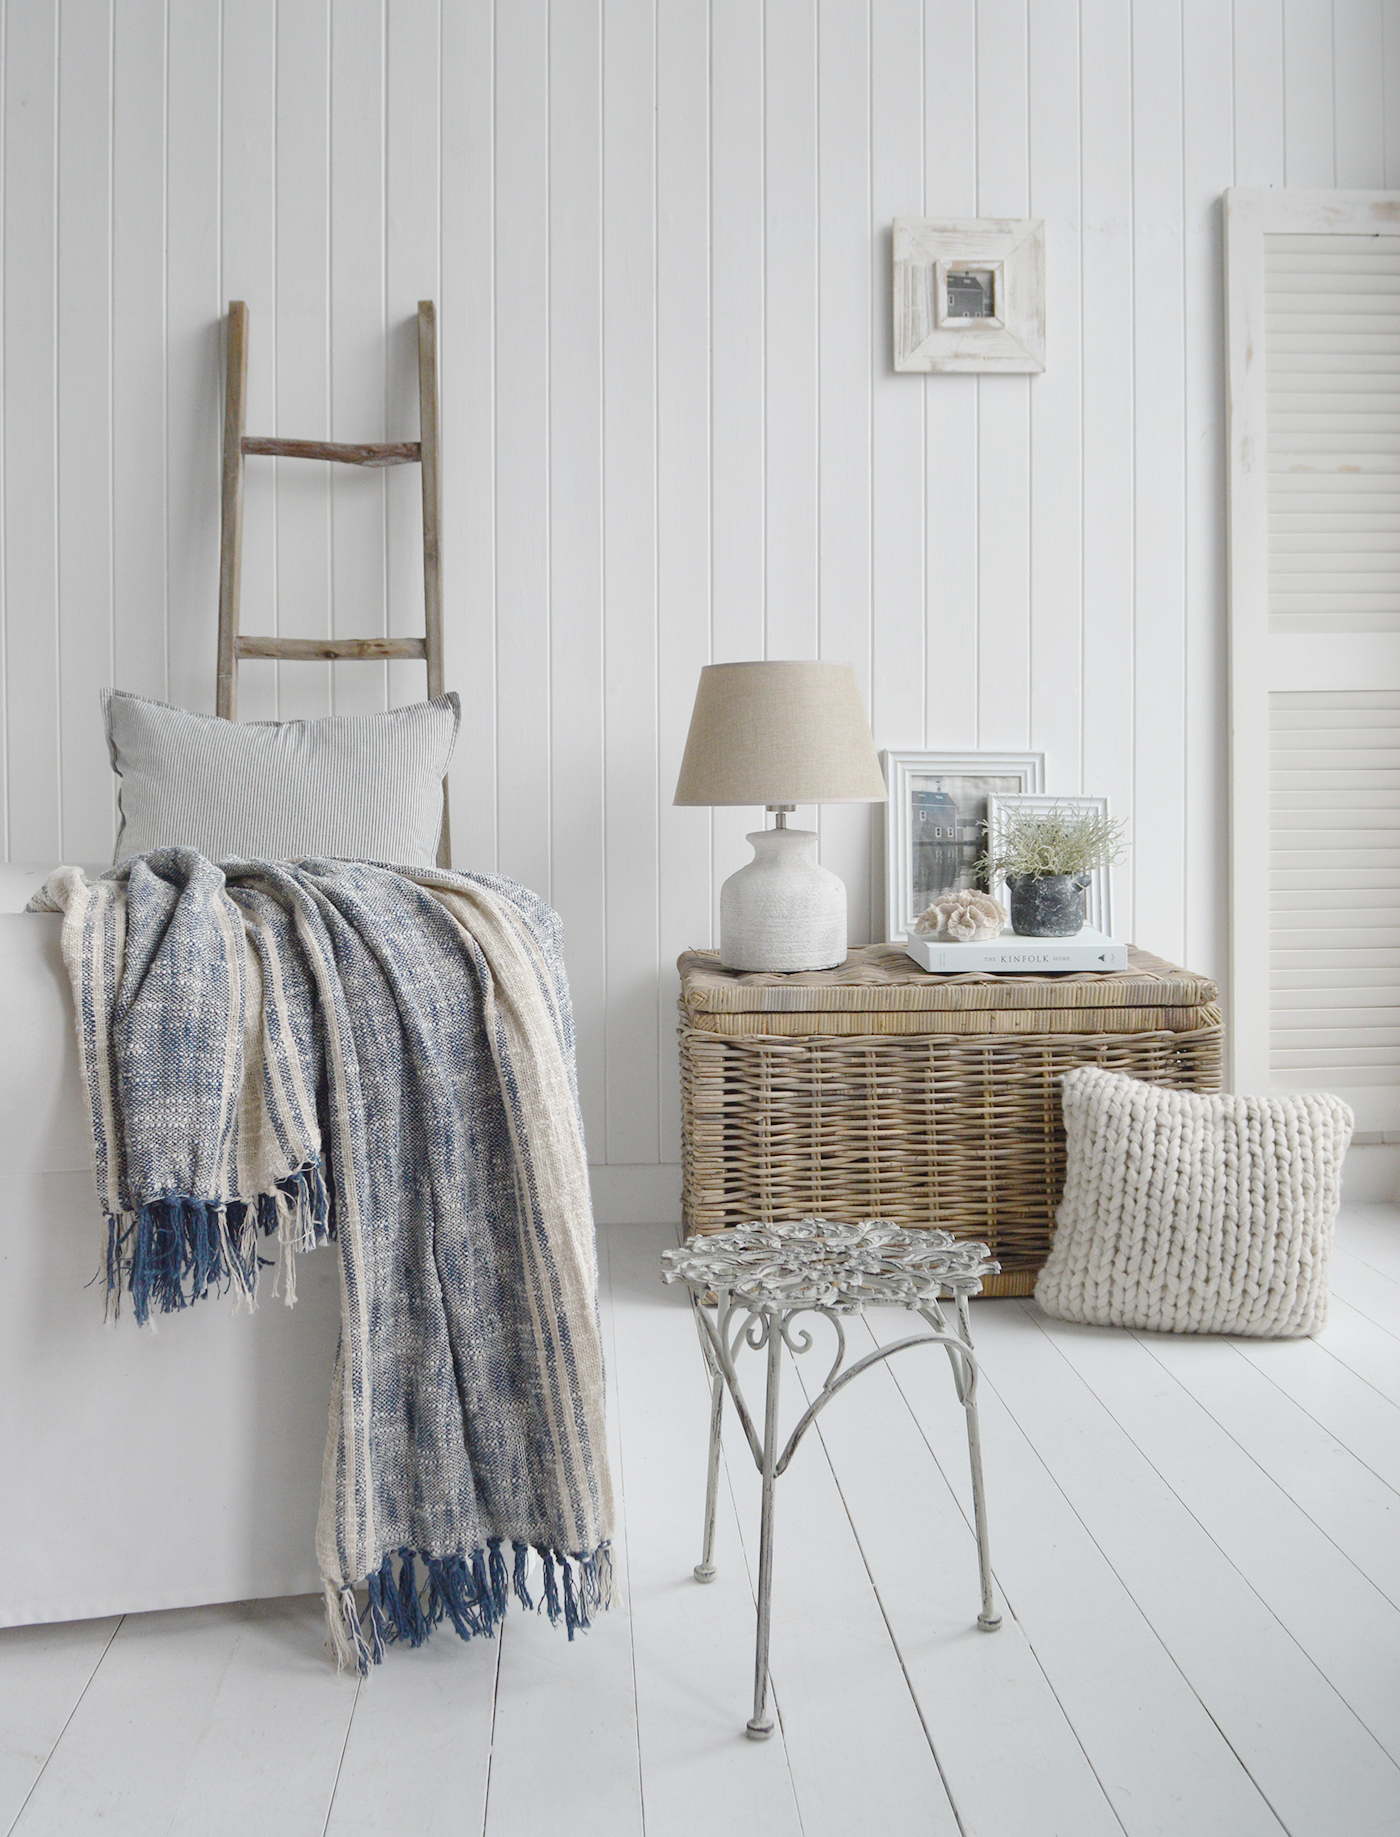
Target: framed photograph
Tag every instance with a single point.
(1098, 902)
(934, 822)
(969, 294)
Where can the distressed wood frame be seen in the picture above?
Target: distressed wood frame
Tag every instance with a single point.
(927, 337)
(900, 769)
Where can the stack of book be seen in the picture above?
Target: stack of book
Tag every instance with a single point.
(1012, 955)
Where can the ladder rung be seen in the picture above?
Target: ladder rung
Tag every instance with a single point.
(395, 453)
(296, 650)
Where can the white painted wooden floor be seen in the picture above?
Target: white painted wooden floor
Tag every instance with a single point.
(1195, 1542)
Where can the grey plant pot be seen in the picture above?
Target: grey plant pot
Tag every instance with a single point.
(1047, 905)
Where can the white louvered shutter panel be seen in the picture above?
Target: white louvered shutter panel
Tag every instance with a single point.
(1314, 349)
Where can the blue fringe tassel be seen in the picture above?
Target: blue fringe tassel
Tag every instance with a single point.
(411, 1592)
(574, 1616)
(522, 1576)
(500, 1584)
(550, 1603)
(175, 1251)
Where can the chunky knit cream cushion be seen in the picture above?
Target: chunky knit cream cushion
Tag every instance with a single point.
(1190, 1214)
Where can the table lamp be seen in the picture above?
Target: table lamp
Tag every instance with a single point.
(780, 734)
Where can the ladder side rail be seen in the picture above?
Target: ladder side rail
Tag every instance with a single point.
(231, 507)
(432, 522)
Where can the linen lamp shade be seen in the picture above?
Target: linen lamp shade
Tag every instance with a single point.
(779, 733)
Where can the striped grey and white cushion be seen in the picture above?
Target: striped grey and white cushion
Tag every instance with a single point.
(364, 787)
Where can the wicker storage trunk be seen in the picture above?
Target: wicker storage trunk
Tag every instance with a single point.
(880, 1090)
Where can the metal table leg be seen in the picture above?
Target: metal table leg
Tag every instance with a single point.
(989, 1619)
(760, 1725)
(705, 1568)
(770, 1328)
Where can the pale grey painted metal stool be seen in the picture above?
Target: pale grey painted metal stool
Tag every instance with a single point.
(763, 1277)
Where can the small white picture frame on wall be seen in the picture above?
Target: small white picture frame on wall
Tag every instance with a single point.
(969, 294)
(1098, 901)
(934, 821)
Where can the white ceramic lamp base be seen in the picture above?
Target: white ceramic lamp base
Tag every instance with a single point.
(782, 911)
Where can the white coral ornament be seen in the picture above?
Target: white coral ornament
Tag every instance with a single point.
(962, 916)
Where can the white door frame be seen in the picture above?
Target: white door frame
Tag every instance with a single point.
(1249, 216)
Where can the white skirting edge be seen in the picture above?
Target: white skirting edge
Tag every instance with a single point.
(1371, 1174)
(646, 1194)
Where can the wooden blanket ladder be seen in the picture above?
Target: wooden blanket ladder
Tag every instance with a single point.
(233, 645)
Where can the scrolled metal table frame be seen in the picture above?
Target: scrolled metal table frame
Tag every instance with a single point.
(768, 1326)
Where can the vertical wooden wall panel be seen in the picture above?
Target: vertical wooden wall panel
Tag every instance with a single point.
(1358, 90)
(522, 441)
(897, 491)
(1390, 78)
(413, 236)
(631, 787)
(193, 355)
(1157, 864)
(951, 506)
(5, 273)
(790, 338)
(303, 345)
(1003, 402)
(1257, 62)
(1109, 375)
(140, 608)
(1056, 588)
(658, 235)
(1208, 168)
(1309, 146)
(84, 424)
(31, 458)
(467, 382)
(355, 212)
(736, 371)
(846, 335)
(790, 331)
(576, 532)
(248, 254)
(683, 530)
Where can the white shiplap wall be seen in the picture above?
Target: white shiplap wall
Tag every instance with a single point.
(658, 233)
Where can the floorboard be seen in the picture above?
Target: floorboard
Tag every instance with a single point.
(1304, 1748)
(1340, 1619)
(44, 1671)
(1348, 1501)
(418, 1748)
(1371, 1234)
(1010, 1758)
(1370, 1291)
(566, 1710)
(1363, 1348)
(1194, 1541)
(693, 1644)
(1158, 1756)
(859, 1752)
(202, 1722)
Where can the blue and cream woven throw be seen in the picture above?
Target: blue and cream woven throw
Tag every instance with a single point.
(277, 1056)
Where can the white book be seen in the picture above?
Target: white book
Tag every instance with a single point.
(1011, 955)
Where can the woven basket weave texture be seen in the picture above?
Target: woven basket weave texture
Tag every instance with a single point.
(880, 1090)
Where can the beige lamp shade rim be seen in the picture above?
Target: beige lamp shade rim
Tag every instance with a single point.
(773, 732)
(781, 801)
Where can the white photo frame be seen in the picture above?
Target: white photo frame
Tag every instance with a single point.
(1098, 903)
(916, 854)
(969, 294)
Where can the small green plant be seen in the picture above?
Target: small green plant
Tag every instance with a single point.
(1060, 840)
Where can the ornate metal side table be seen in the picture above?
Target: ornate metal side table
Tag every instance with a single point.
(764, 1277)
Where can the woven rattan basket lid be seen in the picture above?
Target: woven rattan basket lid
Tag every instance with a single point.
(881, 979)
